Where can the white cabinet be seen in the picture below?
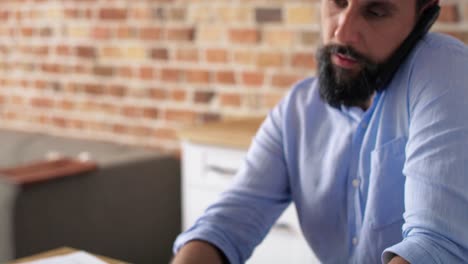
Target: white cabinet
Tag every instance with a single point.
(206, 171)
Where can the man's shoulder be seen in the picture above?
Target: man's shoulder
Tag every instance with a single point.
(304, 87)
(442, 44)
(438, 54)
(437, 69)
(302, 95)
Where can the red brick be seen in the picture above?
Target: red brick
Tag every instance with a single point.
(146, 73)
(150, 112)
(303, 60)
(449, 13)
(120, 129)
(59, 122)
(310, 38)
(177, 14)
(198, 76)
(113, 13)
(141, 131)
(157, 93)
(63, 50)
(151, 33)
(41, 51)
(184, 116)
(41, 102)
(17, 100)
(244, 36)
(270, 59)
(181, 34)
(245, 57)
(101, 32)
(216, 55)
(171, 75)
(80, 69)
(46, 32)
(465, 12)
(203, 97)
(94, 89)
(226, 77)
(253, 78)
(125, 72)
(27, 31)
(86, 52)
(210, 117)
(126, 32)
(106, 71)
(51, 68)
(140, 13)
(108, 108)
(165, 133)
(230, 100)
(285, 80)
(71, 12)
(40, 84)
(131, 111)
(4, 14)
(189, 54)
(159, 54)
(268, 15)
(178, 95)
(116, 90)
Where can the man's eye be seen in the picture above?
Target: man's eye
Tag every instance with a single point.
(340, 3)
(376, 13)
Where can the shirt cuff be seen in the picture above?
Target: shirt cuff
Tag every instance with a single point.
(411, 250)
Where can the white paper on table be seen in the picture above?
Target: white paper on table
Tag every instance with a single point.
(79, 257)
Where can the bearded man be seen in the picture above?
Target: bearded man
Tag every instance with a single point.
(372, 152)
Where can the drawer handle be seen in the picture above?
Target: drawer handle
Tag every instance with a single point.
(224, 172)
(284, 227)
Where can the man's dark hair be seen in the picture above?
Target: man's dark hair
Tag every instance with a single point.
(420, 4)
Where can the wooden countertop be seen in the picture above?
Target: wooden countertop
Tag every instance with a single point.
(59, 252)
(236, 133)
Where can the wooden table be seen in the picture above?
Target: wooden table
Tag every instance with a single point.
(62, 251)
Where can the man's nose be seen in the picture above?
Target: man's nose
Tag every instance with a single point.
(348, 30)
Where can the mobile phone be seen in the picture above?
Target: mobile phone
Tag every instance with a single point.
(423, 25)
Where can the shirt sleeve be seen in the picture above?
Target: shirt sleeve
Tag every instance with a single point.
(436, 167)
(243, 215)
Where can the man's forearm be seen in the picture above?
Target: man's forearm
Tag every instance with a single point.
(198, 252)
(398, 260)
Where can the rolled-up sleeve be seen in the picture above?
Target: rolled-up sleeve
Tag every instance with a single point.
(436, 167)
(242, 216)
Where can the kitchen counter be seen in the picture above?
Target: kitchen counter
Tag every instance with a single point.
(236, 133)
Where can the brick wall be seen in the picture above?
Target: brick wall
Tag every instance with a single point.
(134, 71)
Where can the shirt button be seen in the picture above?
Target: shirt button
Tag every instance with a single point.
(355, 240)
(356, 183)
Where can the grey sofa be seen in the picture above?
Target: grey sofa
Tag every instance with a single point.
(129, 208)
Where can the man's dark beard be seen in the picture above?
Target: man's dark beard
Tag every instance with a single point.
(342, 86)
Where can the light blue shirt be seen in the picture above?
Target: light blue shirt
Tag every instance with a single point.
(394, 178)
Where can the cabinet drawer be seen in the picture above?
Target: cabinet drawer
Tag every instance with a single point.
(195, 202)
(211, 167)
